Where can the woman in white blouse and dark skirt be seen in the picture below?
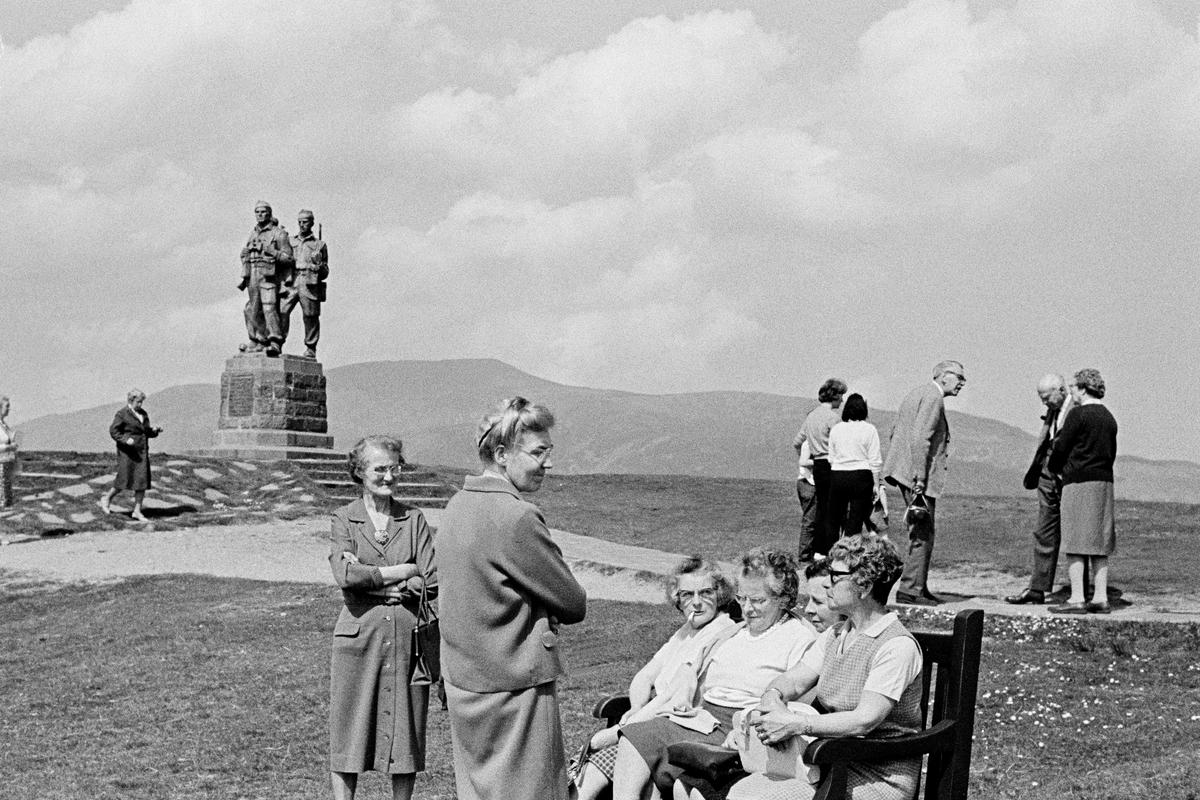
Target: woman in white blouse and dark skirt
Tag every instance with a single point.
(854, 465)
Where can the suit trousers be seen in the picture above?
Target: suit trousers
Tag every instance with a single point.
(920, 549)
(1047, 534)
(807, 493)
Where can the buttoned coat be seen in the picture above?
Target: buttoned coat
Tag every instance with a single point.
(376, 719)
(133, 460)
(504, 589)
(919, 444)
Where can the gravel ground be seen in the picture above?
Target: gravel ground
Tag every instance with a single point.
(296, 551)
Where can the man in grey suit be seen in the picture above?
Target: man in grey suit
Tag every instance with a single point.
(916, 462)
(1052, 391)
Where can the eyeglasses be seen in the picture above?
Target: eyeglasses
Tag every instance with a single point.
(707, 595)
(835, 574)
(381, 472)
(541, 456)
(754, 602)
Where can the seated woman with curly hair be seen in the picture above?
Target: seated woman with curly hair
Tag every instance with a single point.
(731, 675)
(701, 592)
(867, 673)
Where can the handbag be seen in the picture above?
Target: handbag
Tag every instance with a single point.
(915, 515)
(426, 644)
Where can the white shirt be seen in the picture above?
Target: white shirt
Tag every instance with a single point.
(683, 648)
(742, 667)
(894, 666)
(855, 445)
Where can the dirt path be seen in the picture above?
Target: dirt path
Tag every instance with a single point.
(296, 551)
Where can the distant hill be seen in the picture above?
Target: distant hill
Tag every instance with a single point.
(434, 406)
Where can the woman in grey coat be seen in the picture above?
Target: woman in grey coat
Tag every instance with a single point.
(505, 589)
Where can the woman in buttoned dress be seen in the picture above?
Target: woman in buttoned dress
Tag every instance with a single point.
(381, 552)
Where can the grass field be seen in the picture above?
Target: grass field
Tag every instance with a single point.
(1157, 548)
(191, 687)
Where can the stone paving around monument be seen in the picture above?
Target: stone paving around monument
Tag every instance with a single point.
(58, 494)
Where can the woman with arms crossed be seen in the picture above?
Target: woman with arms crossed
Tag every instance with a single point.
(505, 589)
(381, 553)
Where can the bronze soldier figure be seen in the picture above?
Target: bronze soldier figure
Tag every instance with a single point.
(307, 286)
(266, 265)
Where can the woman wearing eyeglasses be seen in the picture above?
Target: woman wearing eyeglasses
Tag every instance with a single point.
(731, 675)
(867, 673)
(381, 552)
(505, 589)
(701, 592)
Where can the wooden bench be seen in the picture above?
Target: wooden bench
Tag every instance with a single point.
(949, 681)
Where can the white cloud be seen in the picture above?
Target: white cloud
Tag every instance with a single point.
(675, 204)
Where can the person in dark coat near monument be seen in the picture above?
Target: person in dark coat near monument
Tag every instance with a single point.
(132, 431)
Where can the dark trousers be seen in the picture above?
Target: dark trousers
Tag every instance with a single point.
(821, 541)
(851, 493)
(920, 550)
(807, 494)
(1046, 535)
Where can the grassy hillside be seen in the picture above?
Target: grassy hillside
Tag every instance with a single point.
(434, 407)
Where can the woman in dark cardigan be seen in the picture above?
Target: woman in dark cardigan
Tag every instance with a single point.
(381, 552)
(132, 431)
(1084, 453)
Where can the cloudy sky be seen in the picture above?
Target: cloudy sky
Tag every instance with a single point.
(649, 196)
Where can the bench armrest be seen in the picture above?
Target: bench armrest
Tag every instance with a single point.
(830, 751)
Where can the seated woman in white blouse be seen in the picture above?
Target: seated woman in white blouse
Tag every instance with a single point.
(867, 673)
(701, 592)
(731, 676)
(854, 465)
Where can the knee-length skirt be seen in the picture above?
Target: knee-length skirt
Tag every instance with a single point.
(1088, 519)
(508, 744)
(133, 469)
(376, 719)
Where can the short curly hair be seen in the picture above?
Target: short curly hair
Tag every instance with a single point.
(778, 569)
(699, 565)
(873, 561)
(831, 390)
(356, 458)
(1090, 381)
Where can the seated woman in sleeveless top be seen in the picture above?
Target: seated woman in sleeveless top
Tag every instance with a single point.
(867, 673)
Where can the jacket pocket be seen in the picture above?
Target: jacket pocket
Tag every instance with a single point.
(346, 627)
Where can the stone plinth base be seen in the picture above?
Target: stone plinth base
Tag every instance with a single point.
(272, 408)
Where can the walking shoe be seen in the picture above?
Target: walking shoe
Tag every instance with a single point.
(1028, 596)
(273, 350)
(928, 595)
(105, 507)
(139, 516)
(310, 352)
(1099, 608)
(1069, 608)
(916, 600)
